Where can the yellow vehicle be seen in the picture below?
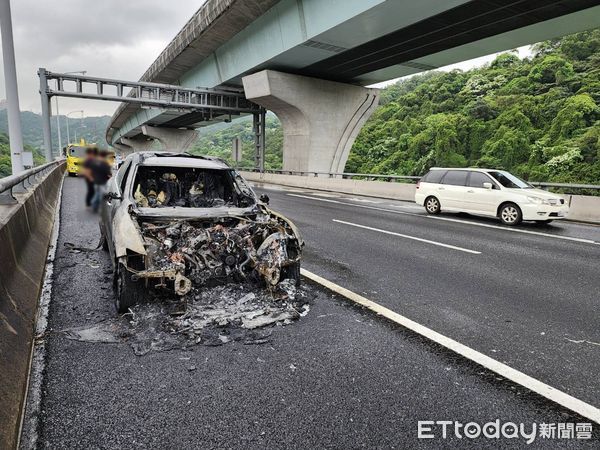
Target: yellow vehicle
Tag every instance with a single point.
(110, 157)
(75, 154)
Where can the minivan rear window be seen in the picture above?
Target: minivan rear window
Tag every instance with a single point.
(456, 177)
(433, 176)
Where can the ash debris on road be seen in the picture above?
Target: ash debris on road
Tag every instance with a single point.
(235, 312)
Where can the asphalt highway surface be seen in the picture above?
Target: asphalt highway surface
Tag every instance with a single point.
(340, 377)
(527, 296)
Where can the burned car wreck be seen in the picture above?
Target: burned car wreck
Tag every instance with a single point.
(174, 221)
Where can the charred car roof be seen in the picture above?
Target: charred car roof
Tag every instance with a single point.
(172, 159)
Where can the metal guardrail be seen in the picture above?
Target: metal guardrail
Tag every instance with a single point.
(336, 175)
(21, 182)
(395, 178)
(543, 184)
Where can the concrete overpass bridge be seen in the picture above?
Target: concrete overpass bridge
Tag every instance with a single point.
(308, 60)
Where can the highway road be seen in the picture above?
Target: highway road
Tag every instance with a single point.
(527, 296)
(340, 377)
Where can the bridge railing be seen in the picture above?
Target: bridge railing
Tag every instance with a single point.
(565, 187)
(21, 182)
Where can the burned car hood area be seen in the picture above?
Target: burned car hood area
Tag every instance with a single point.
(259, 246)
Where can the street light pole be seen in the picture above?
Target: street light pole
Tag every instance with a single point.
(58, 129)
(67, 118)
(12, 92)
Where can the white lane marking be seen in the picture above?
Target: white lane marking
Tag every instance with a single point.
(448, 219)
(516, 230)
(406, 236)
(563, 399)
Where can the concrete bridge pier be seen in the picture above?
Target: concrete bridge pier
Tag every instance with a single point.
(130, 145)
(320, 118)
(172, 139)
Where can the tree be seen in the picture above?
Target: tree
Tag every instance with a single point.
(551, 69)
(579, 112)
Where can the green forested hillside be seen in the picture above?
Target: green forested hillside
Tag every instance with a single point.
(92, 129)
(538, 117)
(5, 167)
(217, 140)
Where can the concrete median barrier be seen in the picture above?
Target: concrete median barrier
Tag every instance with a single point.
(396, 191)
(25, 230)
(583, 208)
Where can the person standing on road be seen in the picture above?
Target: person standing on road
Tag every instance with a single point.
(90, 159)
(101, 173)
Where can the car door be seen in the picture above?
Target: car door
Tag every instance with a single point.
(480, 199)
(452, 190)
(116, 186)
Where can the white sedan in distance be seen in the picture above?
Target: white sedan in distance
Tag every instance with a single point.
(488, 192)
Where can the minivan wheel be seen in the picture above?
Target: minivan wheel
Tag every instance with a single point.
(510, 214)
(127, 291)
(432, 205)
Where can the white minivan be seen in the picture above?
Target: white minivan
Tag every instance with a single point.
(488, 192)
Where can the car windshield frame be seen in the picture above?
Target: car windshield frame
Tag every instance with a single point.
(508, 180)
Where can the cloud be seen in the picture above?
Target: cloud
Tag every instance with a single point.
(108, 38)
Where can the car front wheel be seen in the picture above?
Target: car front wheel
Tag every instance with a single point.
(127, 291)
(432, 205)
(510, 214)
(292, 272)
(103, 240)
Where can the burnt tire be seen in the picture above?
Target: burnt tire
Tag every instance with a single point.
(292, 272)
(103, 241)
(432, 205)
(510, 214)
(127, 291)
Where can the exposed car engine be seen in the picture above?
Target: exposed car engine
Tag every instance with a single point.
(261, 248)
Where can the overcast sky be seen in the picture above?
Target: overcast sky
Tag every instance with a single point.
(108, 38)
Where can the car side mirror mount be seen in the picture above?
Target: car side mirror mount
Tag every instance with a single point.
(264, 198)
(488, 185)
(112, 196)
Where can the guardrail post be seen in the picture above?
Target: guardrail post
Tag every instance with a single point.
(20, 187)
(7, 197)
(27, 181)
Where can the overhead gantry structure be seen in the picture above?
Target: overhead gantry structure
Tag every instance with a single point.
(205, 104)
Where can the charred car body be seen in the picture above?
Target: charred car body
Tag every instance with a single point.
(177, 221)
